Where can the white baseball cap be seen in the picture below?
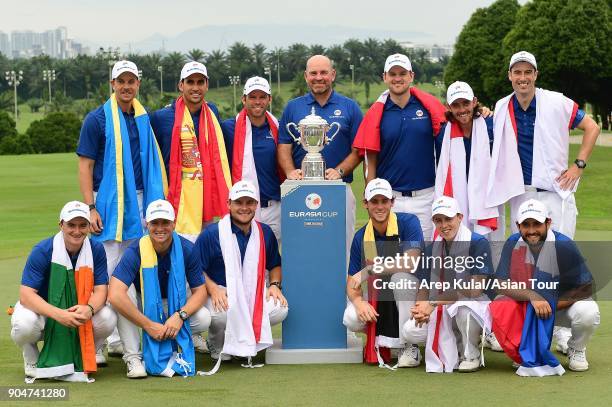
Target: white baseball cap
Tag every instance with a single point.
(160, 209)
(459, 90)
(445, 205)
(243, 188)
(378, 186)
(533, 209)
(124, 66)
(256, 83)
(523, 56)
(397, 60)
(74, 209)
(193, 67)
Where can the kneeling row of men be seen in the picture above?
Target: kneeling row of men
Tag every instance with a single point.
(64, 286)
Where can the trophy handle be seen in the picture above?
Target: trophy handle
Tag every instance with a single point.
(288, 127)
(330, 139)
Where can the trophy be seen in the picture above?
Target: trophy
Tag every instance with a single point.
(313, 138)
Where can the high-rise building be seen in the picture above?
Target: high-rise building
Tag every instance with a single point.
(55, 43)
(5, 44)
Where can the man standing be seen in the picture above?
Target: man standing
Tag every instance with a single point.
(235, 254)
(397, 139)
(120, 168)
(385, 315)
(62, 301)
(562, 295)
(159, 265)
(531, 129)
(193, 148)
(339, 158)
(251, 139)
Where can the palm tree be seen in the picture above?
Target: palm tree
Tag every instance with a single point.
(239, 59)
(172, 63)
(259, 58)
(216, 66)
(195, 55)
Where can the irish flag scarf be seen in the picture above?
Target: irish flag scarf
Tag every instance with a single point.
(524, 337)
(384, 333)
(554, 116)
(116, 201)
(248, 327)
(68, 353)
(243, 161)
(171, 356)
(452, 180)
(368, 134)
(201, 195)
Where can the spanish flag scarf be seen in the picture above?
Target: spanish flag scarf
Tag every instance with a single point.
(171, 355)
(117, 201)
(199, 185)
(68, 353)
(384, 333)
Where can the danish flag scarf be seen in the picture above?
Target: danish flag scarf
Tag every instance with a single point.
(555, 114)
(452, 180)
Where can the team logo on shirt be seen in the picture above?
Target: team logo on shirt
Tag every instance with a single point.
(337, 112)
(313, 201)
(419, 113)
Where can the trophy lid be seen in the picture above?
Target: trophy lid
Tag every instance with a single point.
(313, 120)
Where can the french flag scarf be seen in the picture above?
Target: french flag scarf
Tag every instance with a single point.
(248, 328)
(368, 134)
(68, 354)
(524, 337)
(207, 196)
(555, 114)
(170, 356)
(243, 161)
(452, 180)
(117, 201)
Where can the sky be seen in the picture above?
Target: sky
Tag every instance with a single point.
(112, 21)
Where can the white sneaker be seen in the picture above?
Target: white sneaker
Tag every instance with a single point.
(214, 353)
(409, 356)
(29, 369)
(135, 369)
(516, 365)
(562, 347)
(470, 365)
(199, 344)
(100, 358)
(577, 360)
(492, 343)
(115, 349)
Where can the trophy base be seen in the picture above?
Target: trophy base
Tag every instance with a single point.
(313, 168)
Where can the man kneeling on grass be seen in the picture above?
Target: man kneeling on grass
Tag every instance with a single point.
(154, 272)
(62, 301)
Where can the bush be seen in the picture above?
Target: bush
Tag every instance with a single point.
(7, 126)
(57, 133)
(16, 144)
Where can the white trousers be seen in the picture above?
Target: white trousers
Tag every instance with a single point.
(271, 216)
(468, 337)
(216, 333)
(410, 333)
(420, 206)
(130, 333)
(582, 317)
(561, 212)
(27, 328)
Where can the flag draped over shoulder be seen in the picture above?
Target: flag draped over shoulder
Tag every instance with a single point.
(170, 356)
(117, 201)
(68, 354)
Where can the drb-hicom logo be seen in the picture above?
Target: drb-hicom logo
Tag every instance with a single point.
(313, 201)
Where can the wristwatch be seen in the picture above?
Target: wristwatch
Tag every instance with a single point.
(278, 284)
(580, 163)
(340, 171)
(184, 316)
(92, 206)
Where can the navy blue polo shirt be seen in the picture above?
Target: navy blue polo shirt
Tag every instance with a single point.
(467, 143)
(128, 269)
(410, 234)
(92, 144)
(264, 154)
(38, 266)
(525, 125)
(406, 158)
(162, 122)
(339, 109)
(207, 250)
(573, 270)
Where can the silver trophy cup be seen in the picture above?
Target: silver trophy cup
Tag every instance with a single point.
(313, 138)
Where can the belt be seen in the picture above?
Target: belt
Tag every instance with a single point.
(529, 188)
(412, 194)
(267, 202)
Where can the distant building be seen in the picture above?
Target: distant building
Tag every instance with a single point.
(5, 44)
(55, 43)
(435, 52)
